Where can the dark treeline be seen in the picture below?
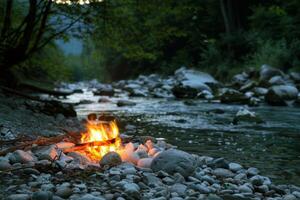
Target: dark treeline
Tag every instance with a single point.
(125, 38)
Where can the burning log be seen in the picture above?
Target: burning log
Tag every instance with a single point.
(83, 146)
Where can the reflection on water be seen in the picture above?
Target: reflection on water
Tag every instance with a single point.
(273, 147)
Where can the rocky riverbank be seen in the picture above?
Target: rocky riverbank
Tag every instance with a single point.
(171, 174)
(252, 87)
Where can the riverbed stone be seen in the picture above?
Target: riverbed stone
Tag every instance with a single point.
(47, 152)
(91, 197)
(244, 115)
(223, 173)
(279, 95)
(42, 195)
(122, 103)
(64, 191)
(20, 156)
(229, 95)
(132, 189)
(145, 162)
(172, 161)
(267, 72)
(110, 159)
(235, 167)
(179, 189)
(257, 180)
(4, 165)
(18, 197)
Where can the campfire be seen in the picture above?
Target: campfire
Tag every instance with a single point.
(101, 137)
(100, 145)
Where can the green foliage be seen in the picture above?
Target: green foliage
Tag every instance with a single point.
(278, 53)
(50, 63)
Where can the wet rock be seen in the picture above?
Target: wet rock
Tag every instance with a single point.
(110, 159)
(244, 115)
(20, 156)
(219, 163)
(18, 197)
(205, 94)
(267, 72)
(248, 86)
(104, 100)
(121, 103)
(277, 80)
(235, 167)
(191, 82)
(85, 101)
(260, 91)
(223, 173)
(42, 195)
(295, 77)
(280, 94)
(232, 96)
(189, 91)
(239, 79)
(172, 161)
(145, 162)
(105, 91)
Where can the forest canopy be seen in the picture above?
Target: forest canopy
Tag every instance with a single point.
(121, 39)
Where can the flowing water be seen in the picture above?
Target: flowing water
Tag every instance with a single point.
(206, 129)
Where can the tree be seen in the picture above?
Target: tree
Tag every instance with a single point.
(43, 22)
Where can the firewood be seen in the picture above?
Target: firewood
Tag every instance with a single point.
(41, 141)
(82, 146)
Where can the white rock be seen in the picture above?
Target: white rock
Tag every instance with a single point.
(20, 156)
(47, 153)
(145, 162)
(65, 145)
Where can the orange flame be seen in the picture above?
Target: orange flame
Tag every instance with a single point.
(107, 133)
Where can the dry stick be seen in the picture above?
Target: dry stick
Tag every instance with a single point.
(41, 141)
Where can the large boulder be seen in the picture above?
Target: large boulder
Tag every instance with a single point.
(277, 80)
(191, 82)
(175, 161)
(267, 72)
(228, 95)
(280, 94)
(295, 76)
